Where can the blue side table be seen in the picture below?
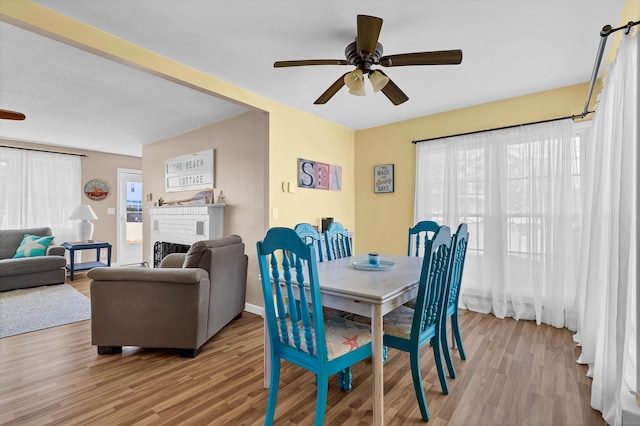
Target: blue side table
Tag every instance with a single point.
(72, 267)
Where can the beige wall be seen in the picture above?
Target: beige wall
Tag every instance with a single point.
(96, 165)
(241, 172)
(253, 158)
(291, 133)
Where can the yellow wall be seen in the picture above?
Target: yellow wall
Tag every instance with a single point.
(630, 13)
(391, 214)
(387, 217)
(312, 139)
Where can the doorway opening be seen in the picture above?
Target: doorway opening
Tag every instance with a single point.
(129, 217)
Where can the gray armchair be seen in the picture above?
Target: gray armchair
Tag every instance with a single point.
(181, 304)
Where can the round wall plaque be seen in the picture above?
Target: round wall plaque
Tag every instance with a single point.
(97, 189)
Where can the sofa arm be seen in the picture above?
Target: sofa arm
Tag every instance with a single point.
(167, 275)
(55, 250)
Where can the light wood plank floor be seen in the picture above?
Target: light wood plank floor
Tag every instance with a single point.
(515, 373)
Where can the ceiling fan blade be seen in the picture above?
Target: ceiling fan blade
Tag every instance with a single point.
(443, 57)
(393, 92)
(11, 115)
(282, 64)
(332, 90)
(368, 33)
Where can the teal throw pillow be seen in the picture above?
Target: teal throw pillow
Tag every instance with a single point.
(33, 245)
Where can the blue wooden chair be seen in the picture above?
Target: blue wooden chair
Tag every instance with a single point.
(409, 329)
(310, 235)
(337, 241)
(298, 331)
(459, 253)
(419, 236)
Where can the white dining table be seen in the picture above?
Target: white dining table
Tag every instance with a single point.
(369, 293)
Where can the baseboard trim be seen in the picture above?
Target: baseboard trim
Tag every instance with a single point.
(254, 309)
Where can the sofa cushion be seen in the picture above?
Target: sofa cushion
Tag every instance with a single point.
(192, 259)
(10, 239)
(32, 246)
(194, 255)
(222, 242)
(31, 266)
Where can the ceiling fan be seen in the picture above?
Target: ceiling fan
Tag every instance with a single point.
(365, 52)
(11, 115)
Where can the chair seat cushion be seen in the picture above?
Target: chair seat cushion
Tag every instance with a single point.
(336, 313)
(342, 336)
(411, 304)
(396, 323)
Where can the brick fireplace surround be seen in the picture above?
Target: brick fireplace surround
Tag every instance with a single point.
(186, 224)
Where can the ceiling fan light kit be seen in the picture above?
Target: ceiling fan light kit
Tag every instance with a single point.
(378, 80)
(355, 82)
(365, 52)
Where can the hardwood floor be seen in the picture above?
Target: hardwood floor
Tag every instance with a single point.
(515, 373)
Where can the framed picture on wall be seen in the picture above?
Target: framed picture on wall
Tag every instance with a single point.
(97, 189)
(383, 179)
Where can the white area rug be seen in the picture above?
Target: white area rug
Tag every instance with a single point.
(31, 309)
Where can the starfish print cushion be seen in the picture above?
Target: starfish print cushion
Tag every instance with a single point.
(32, 246)
(341, 335)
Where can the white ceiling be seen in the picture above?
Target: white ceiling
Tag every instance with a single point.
(74, 98)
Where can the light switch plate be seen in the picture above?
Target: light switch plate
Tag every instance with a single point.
(111, 210)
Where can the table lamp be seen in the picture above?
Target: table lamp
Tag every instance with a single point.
(84, 214)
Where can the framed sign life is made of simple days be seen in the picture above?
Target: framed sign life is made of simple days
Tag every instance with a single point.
(383, 179)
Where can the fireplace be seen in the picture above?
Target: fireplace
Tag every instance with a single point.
(174, 226)
(162, 248)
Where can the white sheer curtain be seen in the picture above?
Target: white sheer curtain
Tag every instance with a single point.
(39, 189)
(519, 192)
(607, 300)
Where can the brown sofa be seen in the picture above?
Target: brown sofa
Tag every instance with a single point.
(181, 304)
(27, 272)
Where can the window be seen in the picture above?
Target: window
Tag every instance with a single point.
(518, 190)
(39, 189)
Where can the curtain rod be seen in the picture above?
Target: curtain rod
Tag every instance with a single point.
(43, 150)
(604, 33)
(504, 127)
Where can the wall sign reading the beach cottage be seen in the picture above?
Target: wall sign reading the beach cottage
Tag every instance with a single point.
(383, 178)
(313, 174)
(191, 171)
